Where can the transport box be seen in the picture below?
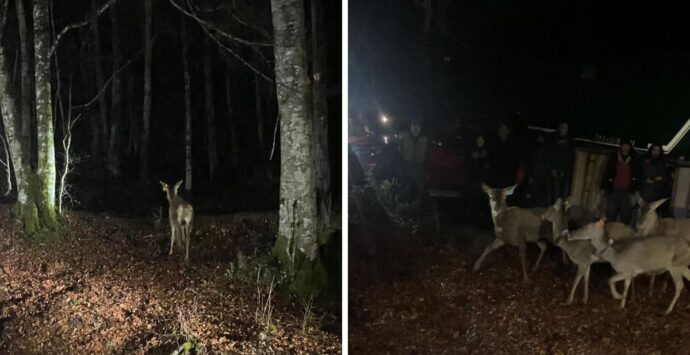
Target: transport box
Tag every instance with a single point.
(585, 192)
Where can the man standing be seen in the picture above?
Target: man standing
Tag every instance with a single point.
(413, 149)
(619, 183)
(653, 175)
(504, 159)
(559, 160)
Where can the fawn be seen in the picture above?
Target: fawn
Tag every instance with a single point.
(181, 216)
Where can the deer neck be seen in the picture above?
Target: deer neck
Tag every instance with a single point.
(602, 246)
(497, 207)
(171, 197)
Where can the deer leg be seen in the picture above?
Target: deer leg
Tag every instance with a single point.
(565, 257)
(187, 237)
(578, 277)
(523, 262)
(664, 286)
(628, 281)
(542, 249)
(612, 285)
(677, 276)
(497, 243)
(172, 239)
(651, 285)
(585, 298)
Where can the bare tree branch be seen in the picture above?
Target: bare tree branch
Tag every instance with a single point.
(211, 27)
(79, 24)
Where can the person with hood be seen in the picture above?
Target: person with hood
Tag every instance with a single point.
(559, 159)
(620, 182)
(653, 177)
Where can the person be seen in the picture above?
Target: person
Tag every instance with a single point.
(619, 183)
(413, 148)
(503, 159)
(479, 164)
(538, 174)
(559, 159)
(479, 160)
(653, 178)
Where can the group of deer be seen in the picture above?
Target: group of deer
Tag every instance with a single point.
(654, 246)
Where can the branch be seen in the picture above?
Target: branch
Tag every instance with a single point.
(76, 25)
(116, 73)
(207, 26)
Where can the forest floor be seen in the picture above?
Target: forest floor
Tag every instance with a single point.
(108, 286)
(418, 295)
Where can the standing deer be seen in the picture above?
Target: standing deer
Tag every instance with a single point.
(580, 252)
(181, 216)
(632, 257)
(513, 226)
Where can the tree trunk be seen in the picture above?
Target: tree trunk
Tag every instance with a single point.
(116, 99)
(232, 122)
(100, 82)
(87, 82)
(320, 113)
(188, 108)
(25, 208)
(26, 95)
(259, 115)
(46, 171)
(296, 244)
(210, 112)
(146, 117)
(133, 129)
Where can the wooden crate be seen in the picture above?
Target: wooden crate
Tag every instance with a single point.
(585, 192)
(680, 198)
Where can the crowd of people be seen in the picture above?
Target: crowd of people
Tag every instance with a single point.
(543, 170)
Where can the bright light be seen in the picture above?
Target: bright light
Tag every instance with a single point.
(385, 139)
(384, 119)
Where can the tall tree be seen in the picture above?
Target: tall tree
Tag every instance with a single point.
(26, 80)
(258, 81)
(296, 244)
(232, 122)
(146, 117)
(188, 107)
(46, 170)
(212, 145)
(320, 111)
(25, 208)
(100, 82)
(116, 98)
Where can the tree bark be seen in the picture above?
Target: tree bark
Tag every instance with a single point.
(100, 82)
(133, 130)
(188, 108)
(116, 99)
(320, 112)
(212, 145)
(46, 170)
(87, 82)
(232, 122)
(26, 96)
(146, 117)
(296, 244)
(25, 208)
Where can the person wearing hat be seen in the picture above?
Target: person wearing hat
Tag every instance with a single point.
(620, 182)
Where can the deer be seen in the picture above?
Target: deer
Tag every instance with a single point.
(513, 226)
(580, 252)
(181, 218)
(629, 258)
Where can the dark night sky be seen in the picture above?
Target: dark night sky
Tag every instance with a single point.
(526, 56)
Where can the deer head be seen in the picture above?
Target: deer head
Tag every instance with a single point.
(170, 194)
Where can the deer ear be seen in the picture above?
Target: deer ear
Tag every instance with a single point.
(486, 188)
(558, 204)
(640, 201)
(509, 190)
(177, 186)
(654, 205)
(165, 186)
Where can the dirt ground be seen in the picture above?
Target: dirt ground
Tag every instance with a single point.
(418, 295)
(108, 286)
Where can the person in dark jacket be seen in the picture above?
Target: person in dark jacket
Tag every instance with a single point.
(559, 159)
(620, 182)
(479, 160)
(504, 160)
(538, 173)
(653, 177)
